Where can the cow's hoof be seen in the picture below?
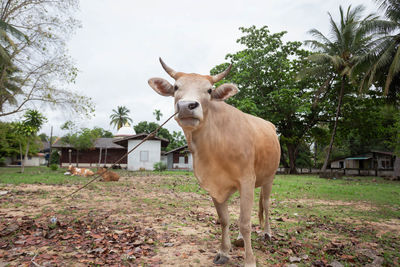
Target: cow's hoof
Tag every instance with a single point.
(239, 243)
(266, 237)
(220, 259)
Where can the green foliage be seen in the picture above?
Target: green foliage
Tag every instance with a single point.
(177, 140)
(2, 162)
(100, 132)
(54, 158)
(120, 117)
(160, 166)
(149, 127)
(53, 167)
(10, 139)
(31, 124)
(381, 67)
(158, 114)
(84, 139)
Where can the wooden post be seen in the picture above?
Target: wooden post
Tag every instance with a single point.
(69, 156)
(105, 158)
(98, 165)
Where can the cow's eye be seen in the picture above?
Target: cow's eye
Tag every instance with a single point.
(209, 91)
(176, 87)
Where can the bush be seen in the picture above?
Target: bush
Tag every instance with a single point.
(54, 167)
(160, 166)
(2, 162)
(54, 158)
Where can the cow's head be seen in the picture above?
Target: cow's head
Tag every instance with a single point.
(192, 93)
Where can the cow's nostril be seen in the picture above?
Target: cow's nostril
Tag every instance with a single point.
(192, 106)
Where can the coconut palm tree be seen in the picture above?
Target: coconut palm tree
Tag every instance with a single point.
(6, 41)
(120, 117)
(158, 114)
(339, 54)
(383, 62)
(9, 82)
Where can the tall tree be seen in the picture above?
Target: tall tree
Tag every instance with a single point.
(120, 117)
(45, 71)
(339, 54)
(177, 140)
(265, 72)
(158, 114)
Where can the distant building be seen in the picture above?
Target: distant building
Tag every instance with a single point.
(372, 163)
(104, 153)
(148, 153)
(179, 158)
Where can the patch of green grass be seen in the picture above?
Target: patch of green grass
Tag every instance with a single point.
(37, 175)
(183, 184)
(375, 190)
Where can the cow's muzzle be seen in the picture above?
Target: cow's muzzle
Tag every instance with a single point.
(187, 109)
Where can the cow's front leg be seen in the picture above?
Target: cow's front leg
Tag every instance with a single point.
(223, 214)
(246, 205)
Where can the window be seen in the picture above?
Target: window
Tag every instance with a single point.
(181, 160)
(144, 155)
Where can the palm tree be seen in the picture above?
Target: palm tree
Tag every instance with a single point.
(9, 83)
(384, 60)
(339, 54)
(6, 41)
(158, 114)
(120, 117)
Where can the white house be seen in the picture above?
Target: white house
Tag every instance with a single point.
(144, 156)
(36, 160)
(180, 158)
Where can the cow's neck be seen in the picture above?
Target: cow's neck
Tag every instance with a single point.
(204, 136)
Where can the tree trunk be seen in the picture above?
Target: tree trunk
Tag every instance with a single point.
(283, 160)
(328, 154)
(26, 156)
(105, 158)
(292, 158)
(21, 157)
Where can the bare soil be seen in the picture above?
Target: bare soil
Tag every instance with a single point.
(146, 221)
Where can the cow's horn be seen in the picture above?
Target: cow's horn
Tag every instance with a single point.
(170, 71)
(218, 77)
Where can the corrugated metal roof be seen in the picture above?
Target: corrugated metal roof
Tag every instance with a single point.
(359, 158)
(98, 143)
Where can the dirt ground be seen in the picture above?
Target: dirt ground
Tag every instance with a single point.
(148, 221)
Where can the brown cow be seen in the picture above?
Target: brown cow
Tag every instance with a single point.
(108, 176)
(231, 150)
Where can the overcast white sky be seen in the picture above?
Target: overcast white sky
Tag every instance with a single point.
(118, 46)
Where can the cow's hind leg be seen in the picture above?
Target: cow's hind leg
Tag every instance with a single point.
(264, 209)
(246, 205)
(223, 214)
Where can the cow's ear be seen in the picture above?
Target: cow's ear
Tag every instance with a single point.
(161, 86)
(224, 91)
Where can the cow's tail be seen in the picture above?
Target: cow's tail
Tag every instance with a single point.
(261, 209)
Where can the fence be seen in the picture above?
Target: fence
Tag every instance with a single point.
(343, 172)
